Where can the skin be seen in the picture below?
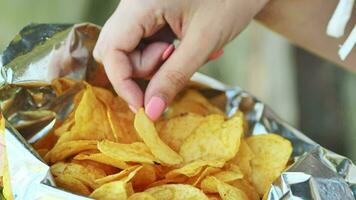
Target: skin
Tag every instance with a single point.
(202, 26)
(134, 40)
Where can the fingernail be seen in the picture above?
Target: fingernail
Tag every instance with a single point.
(168, 52)
(133, 109)
(216, 54)
(155, 108)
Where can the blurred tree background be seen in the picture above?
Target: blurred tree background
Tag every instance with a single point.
(310, 93)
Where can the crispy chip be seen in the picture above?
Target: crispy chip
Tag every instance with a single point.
(206, 172)
(86, 174)
(111, 191)
(246, 186)
(192, 101)
(213, 139)
(72, 184)
(227, 192)
(243, 159)
(91, 121)
(141, 196)
(149, 135)
(134, 152)
(229, 175)
(70, 148)
(272, 153)
(102, 158)
(176, 192)
(175, 130)
(193, 168)
(125, 175)
(144, 177)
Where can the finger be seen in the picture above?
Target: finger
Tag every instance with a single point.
(192, 52)
(121, 34)
(147, 61)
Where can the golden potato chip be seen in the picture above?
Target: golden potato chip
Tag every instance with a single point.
(206, 172)
(42, 152)
(141, 196)
(111, 191)
(228, 176)
(144, 177)
(176, 192)
(193, 102)
(125, 175)
(213, 139)
(193, 168)
(61, 85)
(68, 182)
(243, 159)
(91, 121)
(246, 186)
(175, 130)
(86, 174)
(134, 152)
(70, 148)
(214, 197)
(102, 158)
(272, 153)
(227, 192)
(123, 128)
(176, 180)
(147, 131)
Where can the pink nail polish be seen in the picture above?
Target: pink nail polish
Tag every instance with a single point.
(168, 52)
(133, 109)
(155, 108)
(215, 55)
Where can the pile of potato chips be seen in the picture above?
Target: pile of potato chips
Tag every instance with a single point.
(104, 151)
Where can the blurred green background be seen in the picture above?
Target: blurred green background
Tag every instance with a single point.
(310, 93)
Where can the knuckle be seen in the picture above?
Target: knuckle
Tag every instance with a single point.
(177, 79)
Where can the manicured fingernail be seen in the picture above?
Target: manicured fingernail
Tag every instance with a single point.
(216, 54)
(168, 52)
(155, 108)
(133, 109)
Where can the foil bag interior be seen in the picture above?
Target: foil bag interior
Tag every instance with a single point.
(43, 52)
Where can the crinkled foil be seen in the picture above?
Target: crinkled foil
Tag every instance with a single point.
(43, 52)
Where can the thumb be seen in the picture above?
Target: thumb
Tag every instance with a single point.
(193, 51)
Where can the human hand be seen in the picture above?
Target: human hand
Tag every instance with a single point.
(202, 26)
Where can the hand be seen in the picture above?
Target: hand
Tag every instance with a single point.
(136, 41)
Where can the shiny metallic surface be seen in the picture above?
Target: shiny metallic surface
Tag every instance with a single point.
(41, 53)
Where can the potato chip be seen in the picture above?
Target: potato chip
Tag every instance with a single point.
(91, 121)
(68, 182)
(193, 102)
(144, 177)
(86, 174)
(175, 130)
(228, 176)
(134, 152)
(243, 159)
(176, 192)
(61, 85)
(206, 172)
(111, 191)
(213, 139)
(147, 131)
(193, 168)
(102, 158)
(227, 192)
(272, 153)
(125, 175)
(248, 189)
(175, 180)
(70, 148)
(141, 196)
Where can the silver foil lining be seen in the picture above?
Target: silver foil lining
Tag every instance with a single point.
(43, 52)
